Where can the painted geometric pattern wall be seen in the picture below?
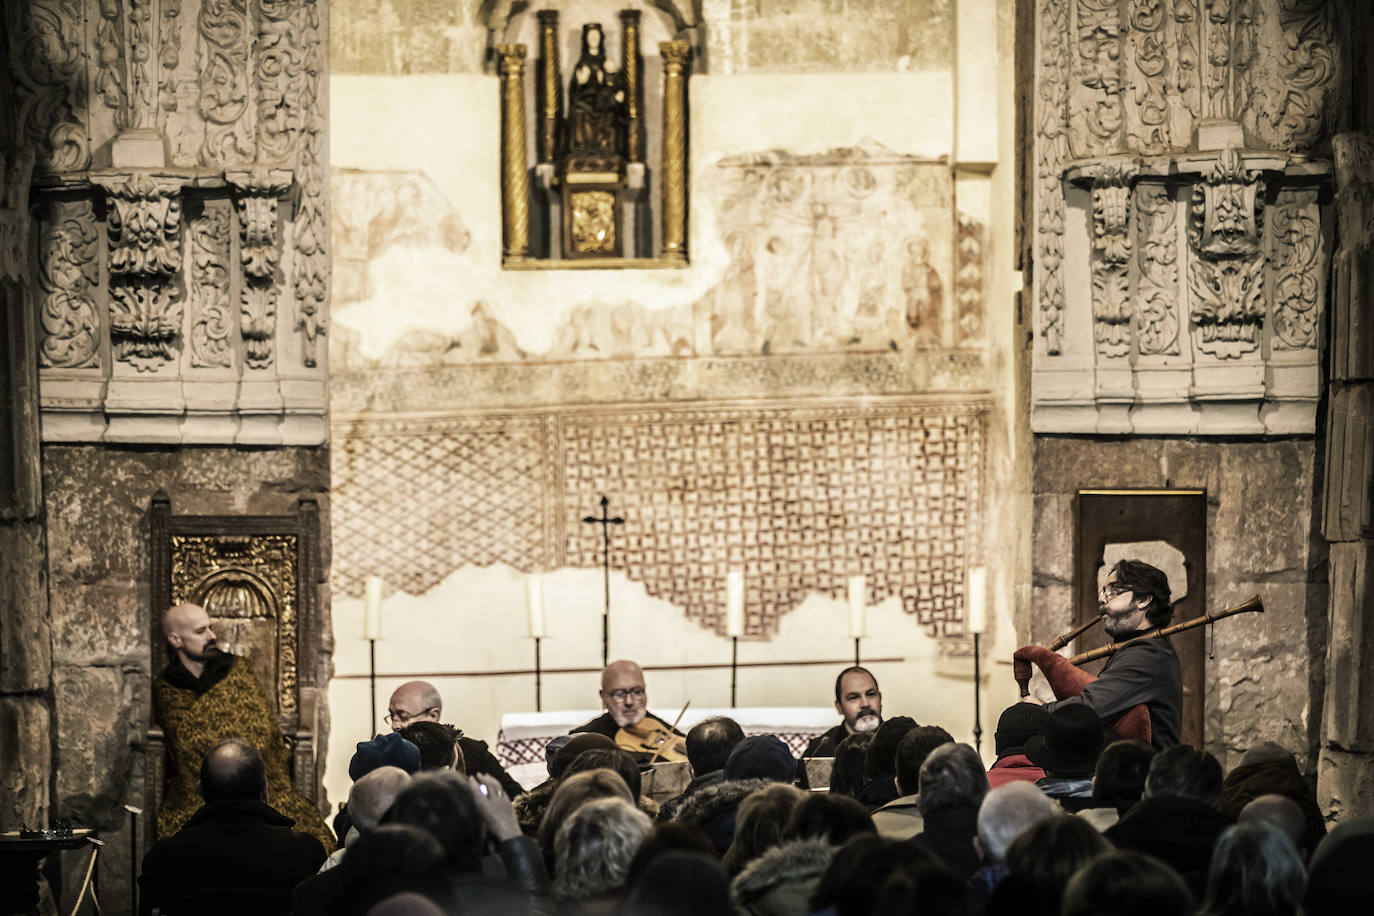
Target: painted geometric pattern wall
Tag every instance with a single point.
(799, 497)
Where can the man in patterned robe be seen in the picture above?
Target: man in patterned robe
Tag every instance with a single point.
(205, 697)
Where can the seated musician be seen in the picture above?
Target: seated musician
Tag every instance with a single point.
(1135, 602)
(627, 719)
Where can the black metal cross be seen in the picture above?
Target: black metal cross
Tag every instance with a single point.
(605, 520)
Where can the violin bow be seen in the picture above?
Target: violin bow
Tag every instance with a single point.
(672, 728)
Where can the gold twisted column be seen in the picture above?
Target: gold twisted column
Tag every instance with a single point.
(676, 59)
(515, 179)
(632, 65)
(550, 87)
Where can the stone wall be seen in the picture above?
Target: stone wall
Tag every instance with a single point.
(96, 505)
(1262, 538)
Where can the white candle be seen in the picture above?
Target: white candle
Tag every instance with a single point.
(858, 607)
(372, 608)
(534, 606)
(734, 603)
(976, 596)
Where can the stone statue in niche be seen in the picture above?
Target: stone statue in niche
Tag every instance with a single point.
(598, 114)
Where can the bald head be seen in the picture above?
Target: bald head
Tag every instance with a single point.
(187, 628)
(1281, 812)
(233, 770)
(373, 794)
(414, 701)
(623, 693)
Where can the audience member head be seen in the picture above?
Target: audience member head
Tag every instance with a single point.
(389, 750)
(913, 750)
(1149, 589)
(669, 836)
(1119, 780)
(758, 824)
(371, 796)
(556, 744)
(1281, 812)
(1006, 812)
(761, 757)
(594, 846)
(1184, 771)
(1268, 752)
(575, 745)
(1047, 853)
(441, 802)
(573, 792)
(623, 693)
(882, 753)
(1017, 724)
(858, 700)
(414, 701)
(710, 742)
(952, 777)
(406, 903)
(847, 770)
(233, 771)
(1070, 745)
(929, 889)
(1126, 884)
(390, 859)
(679, 882)
(1339, 879)
(612, 758)
(854, 880)
(833, 818)
(1256, 871)
(438, 744)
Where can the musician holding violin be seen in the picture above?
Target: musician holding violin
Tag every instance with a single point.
(627, 720)
(1134, 603)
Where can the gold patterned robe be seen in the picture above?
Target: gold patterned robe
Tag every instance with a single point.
(235, 707)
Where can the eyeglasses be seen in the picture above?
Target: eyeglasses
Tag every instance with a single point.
(404, 717)
(1111, 590)
(622, 694)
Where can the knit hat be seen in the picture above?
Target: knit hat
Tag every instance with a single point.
(1016, 725)
(389, 750)
(551, 751)
(582, 741)
(1071, 743)
(761, 757)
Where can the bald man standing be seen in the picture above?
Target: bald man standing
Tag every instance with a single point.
(419, 701)
(205, 697)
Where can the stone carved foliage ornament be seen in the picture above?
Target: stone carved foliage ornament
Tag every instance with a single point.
(1228, 305)
(1226, 277)
(312, 262)
(1096, 111)
(1227, 209)
(1051, 155)
(50, 82)
(212, 322)
(1297, 283)
(67, 280)
(255, 196)
(1309, 66)
(223, 39)
(144, 227)
(1111, 201)
(1157, 255)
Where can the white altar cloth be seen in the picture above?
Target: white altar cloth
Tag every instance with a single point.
(520, 744)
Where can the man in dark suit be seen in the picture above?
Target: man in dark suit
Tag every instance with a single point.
(236, 854)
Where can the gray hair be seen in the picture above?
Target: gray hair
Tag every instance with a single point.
(594, 846)
(952, 776)
(372, 795)
(1007, 811)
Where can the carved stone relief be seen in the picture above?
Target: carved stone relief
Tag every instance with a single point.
(702, 490)
(1157, 258)
(1148, 73)
(67, 285)
(1226, 277)
(1051, 155)
(1096, 105)
(1296, 270)
(223, 38)
(51, 81)
(312, 264)
(144, 228)
(1111, 203)
(212, 320)
(255, 197)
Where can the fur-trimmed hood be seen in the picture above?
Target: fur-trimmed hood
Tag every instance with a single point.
(780, 882)
(724, 796)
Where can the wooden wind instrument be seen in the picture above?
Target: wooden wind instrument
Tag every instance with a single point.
(1254, 604)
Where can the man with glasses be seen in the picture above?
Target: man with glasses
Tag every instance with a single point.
(419, 701)
(625, 699)
(1135, 602)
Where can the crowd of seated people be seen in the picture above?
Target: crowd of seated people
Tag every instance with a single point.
(1066, 820)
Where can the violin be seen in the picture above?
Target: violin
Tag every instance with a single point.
(651, 737)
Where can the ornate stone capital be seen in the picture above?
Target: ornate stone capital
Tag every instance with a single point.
(1226, 211)
(1111, 206)
(256, 193)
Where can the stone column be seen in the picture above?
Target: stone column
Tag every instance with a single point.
(1345, 774)
(676, 61)
(515, 181)
(550, 87)
(632, 65)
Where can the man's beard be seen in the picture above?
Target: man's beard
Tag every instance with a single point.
(1113, 624)
(867, 721)
(628, 718)
(210, 651)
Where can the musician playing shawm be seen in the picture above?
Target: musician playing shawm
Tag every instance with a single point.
(627, 706)
(1135, 602)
